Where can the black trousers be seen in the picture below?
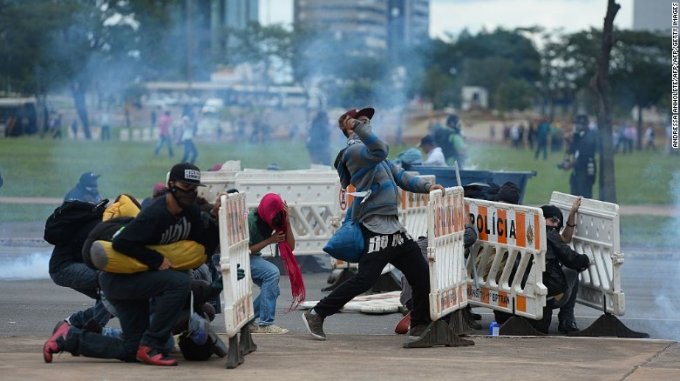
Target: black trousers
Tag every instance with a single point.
(566, 303)
(581, 183)
(400, 250)
(130, 295)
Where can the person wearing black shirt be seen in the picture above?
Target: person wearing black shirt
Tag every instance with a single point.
(562, 265)
(170, 218)
(583, 149)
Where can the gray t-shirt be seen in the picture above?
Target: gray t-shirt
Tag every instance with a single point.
(383, 224)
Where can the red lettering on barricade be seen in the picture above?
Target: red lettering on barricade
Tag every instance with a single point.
(484, 297)
(503, 299)
(449, 212)
(460, 211)
(537, 233)
(230, 219)
(447, 299)
(243, 213)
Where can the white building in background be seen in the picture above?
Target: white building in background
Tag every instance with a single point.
(474, 97)
(652, 15)
(361, 25)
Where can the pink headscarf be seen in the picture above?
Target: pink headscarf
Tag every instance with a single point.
(269, 207)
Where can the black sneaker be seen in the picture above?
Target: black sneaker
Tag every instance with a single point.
(567, 326)
(314, 324)
(469, 318)
(417, 331)
(473, 316)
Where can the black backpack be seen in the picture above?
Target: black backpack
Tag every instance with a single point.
(66, 220)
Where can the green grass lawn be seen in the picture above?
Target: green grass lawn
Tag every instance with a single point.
(49, 168)
(641, 178)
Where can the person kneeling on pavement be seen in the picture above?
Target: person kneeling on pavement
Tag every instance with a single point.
(170, 218)
(562, 265)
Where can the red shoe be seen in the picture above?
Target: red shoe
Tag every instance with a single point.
(403, 325)
(153, 357)
(51, 346)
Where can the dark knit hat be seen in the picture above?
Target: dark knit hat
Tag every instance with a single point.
(508, 193)
(553, 211)
(89, 179)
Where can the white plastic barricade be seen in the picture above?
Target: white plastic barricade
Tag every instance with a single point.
(597, 235)
(413, 211)
(235, 254)
(218, 182)
(311, 195)
(446, 252)
(511, 239)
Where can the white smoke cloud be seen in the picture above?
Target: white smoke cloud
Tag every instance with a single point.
(666, 299)
(23, 267)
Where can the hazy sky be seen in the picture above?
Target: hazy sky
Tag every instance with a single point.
(454, 15)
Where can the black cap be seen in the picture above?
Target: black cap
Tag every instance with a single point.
(356, 113)
(89, 179)
(186, 172)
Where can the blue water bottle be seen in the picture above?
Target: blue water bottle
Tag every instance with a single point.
(494, 329)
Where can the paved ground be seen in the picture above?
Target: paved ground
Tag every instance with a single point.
(377, 357)
(359, 347)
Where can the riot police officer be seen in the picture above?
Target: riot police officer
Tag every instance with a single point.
(583, 148)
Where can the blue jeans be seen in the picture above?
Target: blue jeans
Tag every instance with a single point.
(266, 276)
(84, 280)
(190, 152)
(89, 344)
(163, 140)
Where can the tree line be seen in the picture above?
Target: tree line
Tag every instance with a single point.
(109, 47)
